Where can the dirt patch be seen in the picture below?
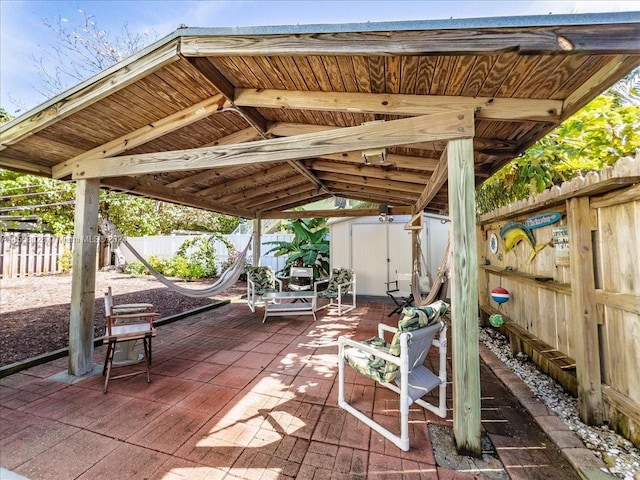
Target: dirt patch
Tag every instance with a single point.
(34, 311)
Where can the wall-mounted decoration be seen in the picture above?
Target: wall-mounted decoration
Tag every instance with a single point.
(542, 220)
(561, 245)
(493, 243)
(513, 233)
(500, 295)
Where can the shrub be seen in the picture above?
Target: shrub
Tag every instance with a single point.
(136, 269)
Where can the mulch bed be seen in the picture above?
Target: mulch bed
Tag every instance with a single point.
(34, 311)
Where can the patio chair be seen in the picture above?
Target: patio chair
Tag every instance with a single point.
(401, 298)
(341, 283)
(297, 273)
(402, 362)
(260, 280)
(126, 326)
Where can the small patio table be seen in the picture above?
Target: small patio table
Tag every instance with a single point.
(275, 307)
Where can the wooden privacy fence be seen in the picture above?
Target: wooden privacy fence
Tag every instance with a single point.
(23, 254)
(574, 306)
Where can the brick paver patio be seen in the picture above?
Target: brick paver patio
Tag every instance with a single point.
(233, 398)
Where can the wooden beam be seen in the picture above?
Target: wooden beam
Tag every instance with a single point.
(265, 197)
(605, 77)
(83, 277)
(368, 171)
(273, 188)
(337, 213)
(507, 109)
(371, 197)
(584, 315)
(257, 179)
(145, 134)
(225, 87)
(393, 160)
(620, 38)
(157, 191)
(293, 200)
(371, 135)
(436, 181)
(464, 298)
(308, 174)
(89, 92)
(389, 195)
(245, 135)
(23, 166)
(371, 182)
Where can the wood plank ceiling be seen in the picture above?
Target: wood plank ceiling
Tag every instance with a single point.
(256, 122)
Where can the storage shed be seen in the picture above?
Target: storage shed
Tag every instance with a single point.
(380, 251)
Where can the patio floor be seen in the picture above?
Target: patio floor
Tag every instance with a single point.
(232, 398)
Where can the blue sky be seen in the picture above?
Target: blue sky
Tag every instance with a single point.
(24, 34)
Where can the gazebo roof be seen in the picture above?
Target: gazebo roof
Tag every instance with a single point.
(255, 121)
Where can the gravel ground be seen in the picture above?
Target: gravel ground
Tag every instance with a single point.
(618, 453)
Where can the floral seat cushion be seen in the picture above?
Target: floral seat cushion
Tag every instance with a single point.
(338, 277)
(412, 318)
(263, 278)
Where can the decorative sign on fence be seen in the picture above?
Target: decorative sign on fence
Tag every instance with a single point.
(542, 220)
(561, 245)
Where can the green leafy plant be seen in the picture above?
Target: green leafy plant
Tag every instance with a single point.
(136, 269)
(308, 248)
(597, 136)
(65, 261)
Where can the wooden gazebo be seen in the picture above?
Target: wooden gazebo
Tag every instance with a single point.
(255, 121)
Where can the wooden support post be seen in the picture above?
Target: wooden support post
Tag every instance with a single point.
(464, 299)
(257, 239)
(584, 316)
(83, 277)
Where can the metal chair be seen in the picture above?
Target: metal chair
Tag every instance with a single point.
(401, 298)
(402, 362)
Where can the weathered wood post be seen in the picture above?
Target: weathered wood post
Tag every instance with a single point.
(584, 317)
(83, 277)
(464, 298)
(257, 240)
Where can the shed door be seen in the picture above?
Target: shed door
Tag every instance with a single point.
(377, 251)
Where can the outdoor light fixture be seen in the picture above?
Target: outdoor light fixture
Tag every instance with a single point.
(383, 214)
(376, 156)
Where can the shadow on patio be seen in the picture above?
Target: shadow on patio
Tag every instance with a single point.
(231, 398)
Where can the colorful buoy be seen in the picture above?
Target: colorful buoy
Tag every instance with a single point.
(500, 295)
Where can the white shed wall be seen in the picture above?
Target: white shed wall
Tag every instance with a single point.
(377, 250)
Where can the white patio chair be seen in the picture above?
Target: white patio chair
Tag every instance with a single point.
(402, 362)
(341, 283)
(260, 280)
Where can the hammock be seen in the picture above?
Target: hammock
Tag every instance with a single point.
(439, 285)
(226, 280)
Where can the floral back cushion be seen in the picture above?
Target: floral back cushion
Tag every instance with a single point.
(338, 277)
(263, 278)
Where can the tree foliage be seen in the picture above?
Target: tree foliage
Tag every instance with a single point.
(598, 135)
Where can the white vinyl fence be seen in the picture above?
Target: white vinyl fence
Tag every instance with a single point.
(166, 246)
(26, 254)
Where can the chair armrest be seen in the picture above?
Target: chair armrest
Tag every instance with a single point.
(320, 282)
(342, 341)
(279, 282)
(383, 327)
(395, 288)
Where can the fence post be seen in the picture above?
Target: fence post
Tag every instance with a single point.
(584, 317)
